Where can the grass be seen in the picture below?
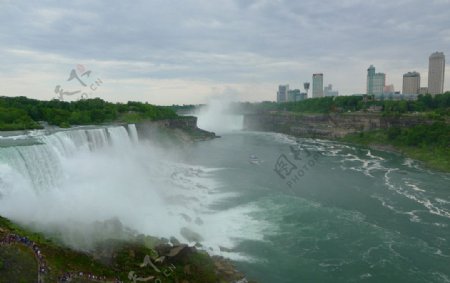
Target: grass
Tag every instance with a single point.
(17, 264)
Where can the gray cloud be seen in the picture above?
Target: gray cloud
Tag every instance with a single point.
(223, 44)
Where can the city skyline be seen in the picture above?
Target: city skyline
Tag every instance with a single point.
(186, 52)
(376, 83)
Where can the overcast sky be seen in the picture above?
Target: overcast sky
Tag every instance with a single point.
(175, 52)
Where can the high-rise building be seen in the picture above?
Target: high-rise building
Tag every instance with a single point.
(328, 91)
(282, 93)
(317, 85)
(375, 81)
(411, 83)
(436, 70)
(306, 87)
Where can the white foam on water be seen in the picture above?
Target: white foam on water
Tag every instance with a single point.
(82, 176)
(414, 187)
(416, 195)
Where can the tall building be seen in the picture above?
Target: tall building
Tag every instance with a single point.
(375, 81)
(282, 94)
(411, 83)
(306, 87)
(328, 91)
(317, 85)
(436, 69)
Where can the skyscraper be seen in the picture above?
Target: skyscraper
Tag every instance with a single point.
(411, 83)
(436, 69)
(306, 87)
(375, 81)
(282, 93)
(317, 85)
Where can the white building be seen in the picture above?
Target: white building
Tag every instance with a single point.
(436, 70)
(411, 83)
(317, 82)
(328, 91)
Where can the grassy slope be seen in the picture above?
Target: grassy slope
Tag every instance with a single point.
(195, 267)
(17, 264)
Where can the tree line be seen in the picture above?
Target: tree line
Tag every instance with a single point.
(438, 104)
(18, 113)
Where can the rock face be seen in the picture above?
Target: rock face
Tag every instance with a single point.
(327, 126)
(182, 128)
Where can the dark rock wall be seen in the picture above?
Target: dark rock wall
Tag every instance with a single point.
(325, 125)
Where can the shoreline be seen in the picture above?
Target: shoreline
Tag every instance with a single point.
(372, 130)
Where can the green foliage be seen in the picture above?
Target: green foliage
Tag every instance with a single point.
(127, 256)
(438, 104)
(19, 113)
(16, 119)
(429, 143)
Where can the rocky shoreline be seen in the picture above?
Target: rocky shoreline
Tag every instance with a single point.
(326, 126)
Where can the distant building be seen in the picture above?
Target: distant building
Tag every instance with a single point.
(411, 83)
(293, 94)
(306, 87)
(436, 71)
(423, 90)
(302, 96)
(296, 95)
(328, 91)
(375, 81)
(317, 85)
(389, 89)
(282, 93)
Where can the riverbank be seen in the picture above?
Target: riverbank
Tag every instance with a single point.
(432, 156)
(415, 136)
(144, 257)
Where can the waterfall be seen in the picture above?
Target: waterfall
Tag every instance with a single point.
(133, 133)
(71, 183)
(40, 163)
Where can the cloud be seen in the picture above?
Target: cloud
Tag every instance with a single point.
(224, 43)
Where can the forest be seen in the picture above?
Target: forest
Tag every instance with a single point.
(20, 113)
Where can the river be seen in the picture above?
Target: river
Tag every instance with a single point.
(284, 210)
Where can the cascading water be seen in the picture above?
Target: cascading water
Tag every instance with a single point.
(218, 116)
(70, 181)
(132, 131)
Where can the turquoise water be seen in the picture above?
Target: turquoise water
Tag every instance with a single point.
(353, 215)
(328, 213)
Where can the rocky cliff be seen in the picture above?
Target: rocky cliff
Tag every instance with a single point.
(327, 126)
(183, 129)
